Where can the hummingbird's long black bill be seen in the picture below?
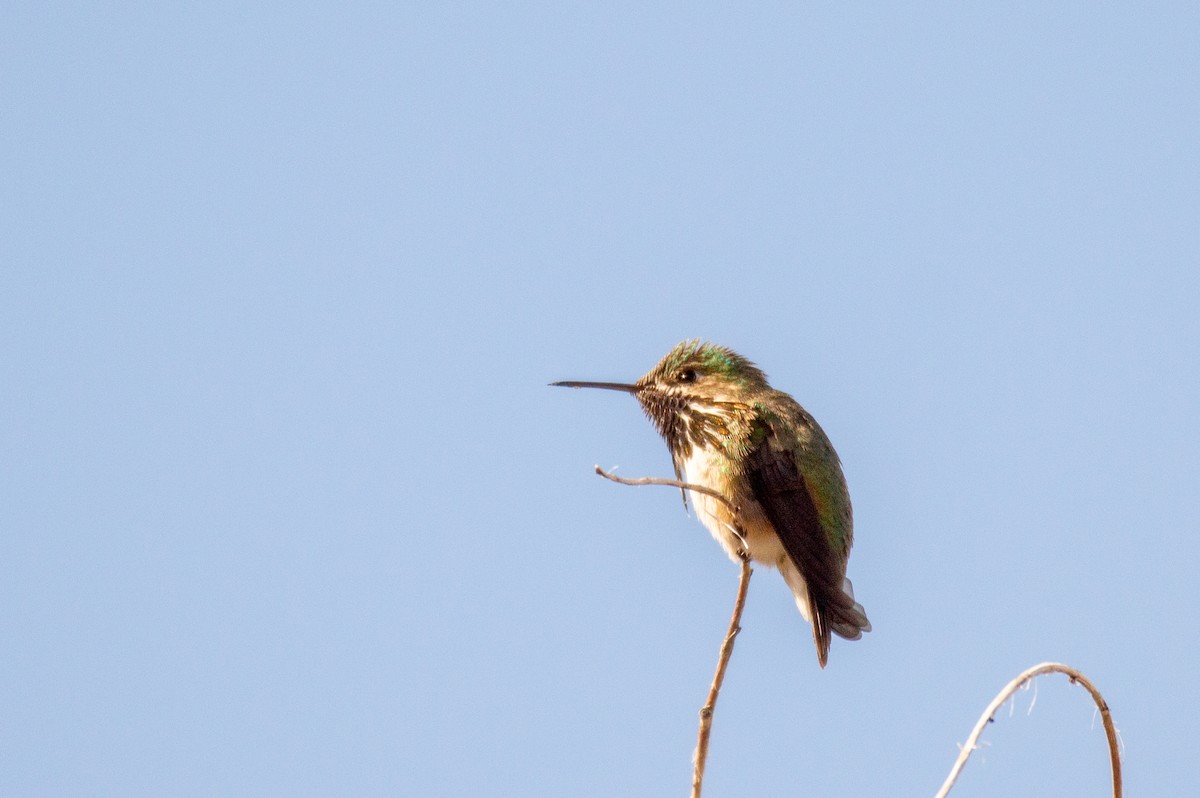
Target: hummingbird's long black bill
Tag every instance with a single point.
(608, 386)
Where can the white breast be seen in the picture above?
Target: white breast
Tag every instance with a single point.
(704, 468)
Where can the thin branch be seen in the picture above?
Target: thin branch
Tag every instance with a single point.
(706, 712)
(1110, 730)
(671, 483)
(735, 623)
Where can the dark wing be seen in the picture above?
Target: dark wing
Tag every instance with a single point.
(780, 488)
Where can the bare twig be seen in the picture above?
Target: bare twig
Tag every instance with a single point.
(706, 712)
(671, 483)
(1046, 667)
(735, 623)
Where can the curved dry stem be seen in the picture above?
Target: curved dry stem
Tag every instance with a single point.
(1110, 729)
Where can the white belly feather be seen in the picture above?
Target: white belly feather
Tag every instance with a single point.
(705, 468)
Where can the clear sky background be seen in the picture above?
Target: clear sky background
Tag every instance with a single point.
(286, 507)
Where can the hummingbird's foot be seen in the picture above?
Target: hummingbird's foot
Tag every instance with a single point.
(743, 549)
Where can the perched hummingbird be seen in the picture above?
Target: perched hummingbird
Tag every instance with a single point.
(729, 431)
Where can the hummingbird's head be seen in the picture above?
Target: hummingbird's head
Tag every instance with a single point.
(702, 373)
(692, 392)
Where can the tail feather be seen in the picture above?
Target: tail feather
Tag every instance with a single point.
(850, 621)
(842, 616)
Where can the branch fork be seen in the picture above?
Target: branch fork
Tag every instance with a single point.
(700, 757)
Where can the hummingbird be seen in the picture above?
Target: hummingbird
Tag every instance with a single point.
(729, 431)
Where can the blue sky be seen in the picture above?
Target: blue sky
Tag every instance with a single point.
(288, 508)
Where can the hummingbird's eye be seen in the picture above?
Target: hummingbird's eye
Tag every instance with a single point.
(687, 375)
